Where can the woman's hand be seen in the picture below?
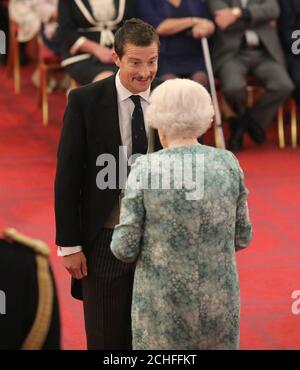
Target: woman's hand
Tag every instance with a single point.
(103, 54)
(203, 28)
(100, 52)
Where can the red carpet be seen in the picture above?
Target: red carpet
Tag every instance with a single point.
(269, 270)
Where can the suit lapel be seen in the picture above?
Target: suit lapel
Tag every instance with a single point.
(116, 3)
(296, 5)
(86, 10)
(110, 115)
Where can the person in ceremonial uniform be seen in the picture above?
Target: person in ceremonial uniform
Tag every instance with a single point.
(29, 311)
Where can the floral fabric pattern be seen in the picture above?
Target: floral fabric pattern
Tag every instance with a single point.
(186, 290)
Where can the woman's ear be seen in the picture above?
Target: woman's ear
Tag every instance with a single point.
(162, 138)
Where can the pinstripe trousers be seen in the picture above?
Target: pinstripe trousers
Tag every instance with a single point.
(107, 296)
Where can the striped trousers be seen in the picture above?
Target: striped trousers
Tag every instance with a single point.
(107, 296)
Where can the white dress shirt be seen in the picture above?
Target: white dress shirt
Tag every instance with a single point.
(125, 110)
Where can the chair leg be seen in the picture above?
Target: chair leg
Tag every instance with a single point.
(39, 89)
(16, 64)
(293, 123)
(281, 137)
(44, 92)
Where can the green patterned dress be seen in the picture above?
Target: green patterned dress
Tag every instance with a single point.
(186, 289)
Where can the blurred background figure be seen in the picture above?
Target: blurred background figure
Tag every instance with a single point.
(33, 16)
(289, 21)
(29, 316)
(87, 30)
(4, 27)
(181, 24)
(24, 14)
(186, 289)
(48, 13)
(247, 43)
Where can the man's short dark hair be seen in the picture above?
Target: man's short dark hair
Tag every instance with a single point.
(137, 32)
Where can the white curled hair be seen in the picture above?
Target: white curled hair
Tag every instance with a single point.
(181, 108)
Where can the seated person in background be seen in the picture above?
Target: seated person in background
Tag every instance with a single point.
(180, 24)
(246, 42)
(47, 11)
(33, 16)
(86, 29)
(23, 13)
(29, 313)
(184, 238)
(289, 21)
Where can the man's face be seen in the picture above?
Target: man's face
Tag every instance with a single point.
(138, 66)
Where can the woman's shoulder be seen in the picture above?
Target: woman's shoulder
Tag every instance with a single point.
(196, 148)
(209, 153)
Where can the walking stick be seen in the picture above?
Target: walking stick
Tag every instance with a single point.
(219, 135)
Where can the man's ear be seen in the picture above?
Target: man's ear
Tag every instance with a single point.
(116, 58)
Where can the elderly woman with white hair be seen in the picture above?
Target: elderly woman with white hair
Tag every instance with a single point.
(183, 216)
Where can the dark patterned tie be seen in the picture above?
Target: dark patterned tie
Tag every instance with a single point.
(138, 132)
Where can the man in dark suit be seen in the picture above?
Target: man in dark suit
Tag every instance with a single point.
(289, 31)
(29, 310)
(99, 119)
(246, 42)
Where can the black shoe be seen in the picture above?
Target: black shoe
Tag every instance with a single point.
(235, 145)
(3, 59)
(256, 132)
(238, 128)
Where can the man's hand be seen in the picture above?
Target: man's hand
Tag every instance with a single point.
(205, 28)
(225, 18)
(76, 265)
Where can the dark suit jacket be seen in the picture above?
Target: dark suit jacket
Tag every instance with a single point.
(289, 21)
(227, 43)
(91, 128)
